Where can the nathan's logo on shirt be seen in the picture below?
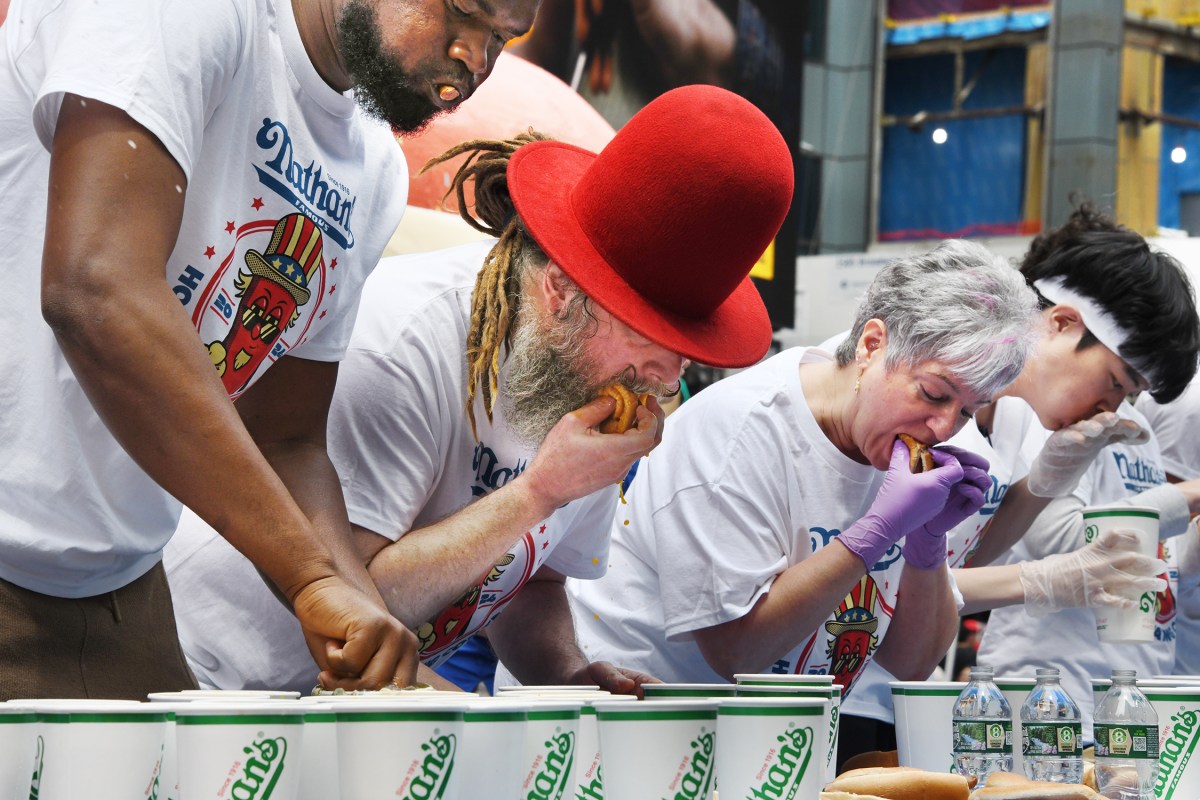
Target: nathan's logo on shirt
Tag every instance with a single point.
(269, 292)
(853, 630)
(993, 498)
(316, 195)
(261, 770)
(1138, 474)
(489, 475)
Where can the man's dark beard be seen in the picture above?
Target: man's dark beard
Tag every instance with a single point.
(381, 86)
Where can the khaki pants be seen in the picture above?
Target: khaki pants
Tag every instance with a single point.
(117, 645)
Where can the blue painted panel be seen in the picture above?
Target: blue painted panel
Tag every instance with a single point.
(1181, 98)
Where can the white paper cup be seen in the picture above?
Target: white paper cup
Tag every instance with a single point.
(832, 694)
(1178, 736)
(318, 761)
(924, 723)
(655, 750)
(1015, 689)
(771, 748)
(399, 748)
(589, 778)
(493, 749)
(101, 750)
(222, 695)
(760, 678)
(239, 749)
(687, 691)
(551, 748)
(549, 688)
(18, 749)
(1125, 625)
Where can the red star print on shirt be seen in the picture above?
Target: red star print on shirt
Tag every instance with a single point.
(229, 227)
(210, 251)
(257, 204)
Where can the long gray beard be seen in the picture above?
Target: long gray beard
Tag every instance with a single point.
(546, 378)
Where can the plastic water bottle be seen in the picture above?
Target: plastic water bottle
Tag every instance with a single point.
(1051, 732)
(1126, 741)
(983, 736)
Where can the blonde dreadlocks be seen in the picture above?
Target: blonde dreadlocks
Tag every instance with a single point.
(496, 299)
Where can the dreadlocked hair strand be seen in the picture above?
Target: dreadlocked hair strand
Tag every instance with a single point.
(496, 299)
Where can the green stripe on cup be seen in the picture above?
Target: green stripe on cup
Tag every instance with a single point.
(398, 716)
(51, 717)
(239, 719)
(495, 716)
(772, 710)
(23, 717)
(615, 715)
(318, 718)
(1129, 513)
(1170, 696)
(537, 716)
(110, 717)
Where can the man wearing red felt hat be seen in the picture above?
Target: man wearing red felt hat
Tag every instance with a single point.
(465, 426)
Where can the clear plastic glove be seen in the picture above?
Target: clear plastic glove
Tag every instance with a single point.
(925, 547)
(905, 501)
(1068, 452)
(1108, 572)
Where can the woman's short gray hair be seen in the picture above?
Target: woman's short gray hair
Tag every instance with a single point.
(958, 304)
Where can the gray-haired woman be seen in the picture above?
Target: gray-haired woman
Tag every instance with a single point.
(765, 532)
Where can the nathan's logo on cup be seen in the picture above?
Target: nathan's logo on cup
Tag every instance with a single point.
(1089, 533)
(549, 782)
(695, 777)
(784, 769)
(427, 779)
(1146, 602)
(261, 770)
(35, 782)
(1177, 750)
(593, 790)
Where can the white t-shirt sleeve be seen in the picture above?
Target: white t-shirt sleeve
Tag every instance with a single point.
(166, 63)
(386, 451)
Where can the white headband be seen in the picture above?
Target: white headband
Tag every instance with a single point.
(1095, 319)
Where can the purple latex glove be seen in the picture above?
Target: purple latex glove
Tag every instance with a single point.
(925, 546)
(905, 501)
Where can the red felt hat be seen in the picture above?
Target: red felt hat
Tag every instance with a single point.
(662, 227)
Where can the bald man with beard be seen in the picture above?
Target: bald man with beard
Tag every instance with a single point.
(465, 425)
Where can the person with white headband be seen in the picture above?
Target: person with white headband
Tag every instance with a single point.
(1117, 318)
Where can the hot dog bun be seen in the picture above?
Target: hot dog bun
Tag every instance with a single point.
(626, 407)
(919, 457)
(901, 783)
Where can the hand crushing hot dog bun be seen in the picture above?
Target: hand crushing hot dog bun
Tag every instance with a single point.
(626, 409)
(901, 783)
(919, 457)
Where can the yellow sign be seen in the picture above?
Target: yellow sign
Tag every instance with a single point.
(764, 268)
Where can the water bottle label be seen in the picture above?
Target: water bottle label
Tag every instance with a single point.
(1127, 741)
(1051, 738)
(983, 736)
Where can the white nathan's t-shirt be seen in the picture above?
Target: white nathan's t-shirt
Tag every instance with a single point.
(402, 444)
(1177, 426)
(1005, 451)
(291, 196)
(743, 486)
(1015, 643)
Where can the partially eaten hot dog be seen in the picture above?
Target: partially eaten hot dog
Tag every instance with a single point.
(919, 457)
(625, 411)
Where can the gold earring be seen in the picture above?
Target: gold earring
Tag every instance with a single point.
(858, 381)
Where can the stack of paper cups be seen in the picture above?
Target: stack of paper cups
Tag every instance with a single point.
(662, 749)
(924, 723)
(771, 748)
